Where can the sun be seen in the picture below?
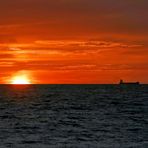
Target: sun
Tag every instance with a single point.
(20, 80)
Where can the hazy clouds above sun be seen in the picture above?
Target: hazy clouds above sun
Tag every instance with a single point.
(93, 40)
(80, 17)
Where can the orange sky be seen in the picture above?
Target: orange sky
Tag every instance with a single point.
(75, 41)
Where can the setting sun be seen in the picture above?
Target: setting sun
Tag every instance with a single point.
(20, 80)
(20, 77)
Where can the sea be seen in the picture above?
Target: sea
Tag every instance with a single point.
(73, 116)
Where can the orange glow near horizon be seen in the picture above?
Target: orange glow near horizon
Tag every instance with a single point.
(20, 78)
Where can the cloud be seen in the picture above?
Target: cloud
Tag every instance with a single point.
(6, 39)
(6, 64)
(69, 43)
(5, 56)
(97, 44)
(61, 50)
(74, 18)
(120, 67)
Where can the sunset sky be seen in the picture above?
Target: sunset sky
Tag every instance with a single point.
(74, 41)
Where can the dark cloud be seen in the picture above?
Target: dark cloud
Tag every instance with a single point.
(97, 16)
(7, 38)
(6, 56)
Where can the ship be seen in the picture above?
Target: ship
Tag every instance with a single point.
(128, 83)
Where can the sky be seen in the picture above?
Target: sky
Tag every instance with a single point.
(74, 41)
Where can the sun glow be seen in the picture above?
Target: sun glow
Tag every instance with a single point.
(20, 80)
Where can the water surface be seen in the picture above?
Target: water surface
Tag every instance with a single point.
(73, 116)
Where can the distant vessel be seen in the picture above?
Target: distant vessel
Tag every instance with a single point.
(128, 83)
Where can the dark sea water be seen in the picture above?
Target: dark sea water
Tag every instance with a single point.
(73, 116)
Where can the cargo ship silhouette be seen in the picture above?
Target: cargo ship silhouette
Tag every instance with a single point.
(128, 83)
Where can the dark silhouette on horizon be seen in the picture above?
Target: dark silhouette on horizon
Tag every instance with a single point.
(128, 83)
